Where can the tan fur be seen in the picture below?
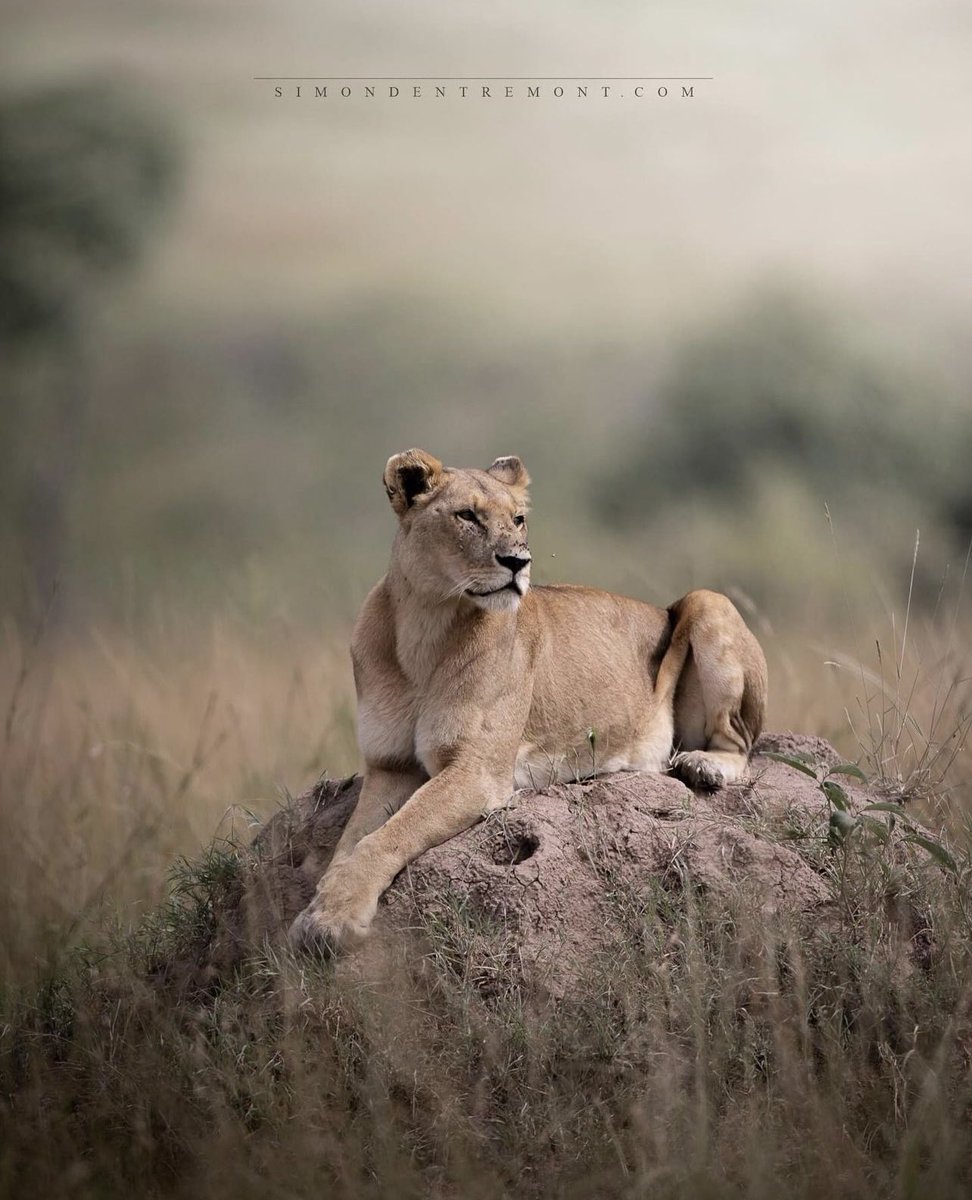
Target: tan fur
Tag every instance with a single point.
(472, 684)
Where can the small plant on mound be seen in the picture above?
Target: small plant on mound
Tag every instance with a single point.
(200, 892)
(844, 821)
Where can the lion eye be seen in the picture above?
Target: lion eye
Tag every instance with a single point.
(519, 520)
(467, 514)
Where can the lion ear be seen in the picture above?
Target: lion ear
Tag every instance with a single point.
(408, 475)
(511, 471)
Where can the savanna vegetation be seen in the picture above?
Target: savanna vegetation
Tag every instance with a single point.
(190, 512)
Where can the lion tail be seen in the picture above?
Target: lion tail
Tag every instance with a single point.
(673, 664)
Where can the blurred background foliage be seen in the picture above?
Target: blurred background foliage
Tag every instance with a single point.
(784, 387)
(84, 171)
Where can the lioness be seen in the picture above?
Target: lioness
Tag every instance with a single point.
(471, 684)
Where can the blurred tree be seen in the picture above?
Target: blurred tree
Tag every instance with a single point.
(84, 169)
(783, 387)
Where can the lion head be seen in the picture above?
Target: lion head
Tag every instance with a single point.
(462, 533)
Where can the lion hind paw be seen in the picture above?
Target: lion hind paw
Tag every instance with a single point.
(706, 770)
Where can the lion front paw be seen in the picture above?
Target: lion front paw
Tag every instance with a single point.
(339, 916)
(313, 933)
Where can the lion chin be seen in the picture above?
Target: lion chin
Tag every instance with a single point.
(505, 600)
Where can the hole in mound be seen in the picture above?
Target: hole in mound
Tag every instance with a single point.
(515, 848)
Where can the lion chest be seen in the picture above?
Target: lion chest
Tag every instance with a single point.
(402, 728)
(386, 731)
(431, 730)
(460, 703)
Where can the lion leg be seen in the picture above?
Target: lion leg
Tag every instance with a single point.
(347, 897)
(721, 693)
(383, 792)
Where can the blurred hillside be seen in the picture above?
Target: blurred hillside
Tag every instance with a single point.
(756, 299)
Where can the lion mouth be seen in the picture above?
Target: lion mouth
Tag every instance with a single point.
(512, 586)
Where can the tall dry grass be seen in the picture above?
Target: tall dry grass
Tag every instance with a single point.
(119, 752)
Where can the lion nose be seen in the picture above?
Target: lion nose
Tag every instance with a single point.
(513, 562)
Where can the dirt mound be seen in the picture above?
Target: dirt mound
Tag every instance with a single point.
(540, 883)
